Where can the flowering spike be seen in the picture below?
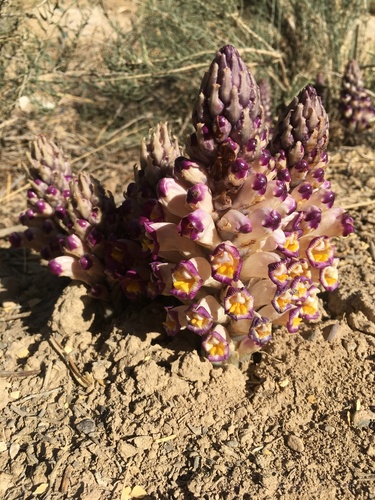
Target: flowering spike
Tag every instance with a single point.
(356, 108)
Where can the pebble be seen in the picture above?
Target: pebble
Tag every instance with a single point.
(13, 450)
(330, 429)
(295, 443)
(363, 418)
(232, 443)
(86, 426)
(349, 345)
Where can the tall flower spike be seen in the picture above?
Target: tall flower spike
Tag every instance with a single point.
(356, 108)
(302, 132)
(49, 164)
(227, 109)
(158, 154)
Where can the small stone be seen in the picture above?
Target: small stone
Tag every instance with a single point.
(232, 443)
(126, 450)
(241, 413)
(349, 345)
(295, 443)
(330, 429)
(363, 418)
(86, 426)
(13, 450)
(143, 442)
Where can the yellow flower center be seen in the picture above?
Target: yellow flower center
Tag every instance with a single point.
(238, 309)
(226, 269)
(198, 322)
(296, 321)
(282, 302)
(183, 281)
(309, 309)
(292, 243)
(217, 350)
(331, 280)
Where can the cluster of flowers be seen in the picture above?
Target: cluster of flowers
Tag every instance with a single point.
(356, 109)
(237, 228)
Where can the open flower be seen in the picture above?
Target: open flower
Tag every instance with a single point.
(216, 346)
(238, 303)
(226, 263)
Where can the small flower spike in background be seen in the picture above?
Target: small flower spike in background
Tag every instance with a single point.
(357, 110)
(235, 228)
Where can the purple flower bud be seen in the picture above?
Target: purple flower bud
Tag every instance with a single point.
(272, 220)
(99, 291)
(196, 193)
(312, 217)
(15, 240)
(31, 195)
(260, 183)
(43, 208)
(239, 168)
(26, 217)
(52, 191)
(29, 234)
(347, 224)
(222, 128)
(94, 238)
(280, 189)
(191, 226)
(199, 226)
(60, 212)
(86, 262)
(252, 145)
(305, 190)
(328, 198)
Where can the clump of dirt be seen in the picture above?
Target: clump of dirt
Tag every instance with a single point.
(95, 406)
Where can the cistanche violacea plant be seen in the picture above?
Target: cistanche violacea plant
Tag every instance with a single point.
(236, 228)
